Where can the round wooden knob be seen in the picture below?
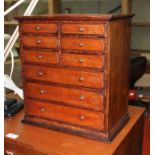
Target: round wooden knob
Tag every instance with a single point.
(38, 41)
(82, 98)
(81, 60)
(81, 79)
(81, 29)
(82, 117)
(40, 73)
(81, 44)
(39, 56)
(42, 109)
(37, 28)
(42, 91)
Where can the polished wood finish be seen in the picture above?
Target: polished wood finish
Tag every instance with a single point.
(67, 96)
(39, 28)
(81, 60)
(34, 140)
(78, 68)
(85, 44)
(63, 114)
(36, 56)
(40, 41)
(91, 29)
(64, 76)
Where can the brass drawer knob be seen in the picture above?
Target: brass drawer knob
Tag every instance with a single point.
(37, 28)
(40, 73)
(9, 153)
(82, 98)
(81, 29)
(42, 91)
(39, 56)
(81, 60)
(82, 117)
(81, 79)
(38, 41)
(42, 109)
(81, 44)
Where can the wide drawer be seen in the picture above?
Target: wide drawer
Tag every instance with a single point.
(81, 60)
(83, 44)
(40, 41)
(65, 114)
(93, 29)
(67, 96)
(39, 28)
(37, 56)
(64, 76)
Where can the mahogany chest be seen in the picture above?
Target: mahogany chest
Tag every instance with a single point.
(75, 72)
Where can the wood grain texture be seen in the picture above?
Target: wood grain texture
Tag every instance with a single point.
(66, 96)
(81, 60)
(39, 28)
(40, 41)
(91, 29)
(84, 44)
(40, 57)
(64, 76)
(119, 69)
(86, 60)
(41, 141)
(63, 114)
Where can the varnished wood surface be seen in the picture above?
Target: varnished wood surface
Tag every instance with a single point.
(87, 17)
(40, 141)
(67, 96)
(39, 28)
(88, 55)
(40, 57)
(65, 76)
(63, 114)
(94, 29)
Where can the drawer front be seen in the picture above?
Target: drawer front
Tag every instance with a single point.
(69, 96)
(94, 29)
(40, 57)
(38, 41)
(65, 114)
(64, 76)
(83, 44)
(12, 147)
(81, 60)
(39, 28)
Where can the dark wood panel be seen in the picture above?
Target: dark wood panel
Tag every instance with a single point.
(69, 96)
(64, 76)
(119, 69)
(65, 114)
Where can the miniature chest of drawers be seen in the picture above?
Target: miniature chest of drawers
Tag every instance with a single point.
(75, 72)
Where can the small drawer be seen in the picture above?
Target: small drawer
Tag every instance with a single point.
(65, 114)
(64, 76)
(83, 44)
(67, 96)
(92, 29)
(81, 60)
(40, 57)
(39, 41)
(39, 28)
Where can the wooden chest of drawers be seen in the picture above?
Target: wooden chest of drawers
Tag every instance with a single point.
(75, 72)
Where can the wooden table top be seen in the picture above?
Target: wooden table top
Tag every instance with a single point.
(58, 143)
